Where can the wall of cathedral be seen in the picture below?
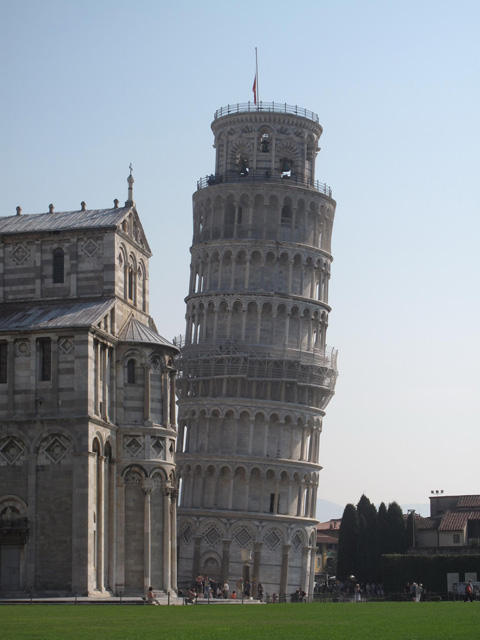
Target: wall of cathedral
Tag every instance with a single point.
(87, 423)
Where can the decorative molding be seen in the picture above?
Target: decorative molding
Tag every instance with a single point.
(22, 348)
(20, 253)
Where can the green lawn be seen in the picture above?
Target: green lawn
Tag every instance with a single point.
(369, 621)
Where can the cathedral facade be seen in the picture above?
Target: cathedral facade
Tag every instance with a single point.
(87, 408)
(255, 372)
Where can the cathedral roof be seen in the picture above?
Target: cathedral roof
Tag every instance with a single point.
(63, 220)
(136, 331)
(24, 316)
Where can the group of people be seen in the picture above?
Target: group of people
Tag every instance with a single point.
(206, 587)
(414, 590)
(350, 588)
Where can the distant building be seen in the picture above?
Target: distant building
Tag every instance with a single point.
(453, 525)
(327, 548)
(87, 408)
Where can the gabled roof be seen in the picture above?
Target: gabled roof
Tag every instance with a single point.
(426, 524)
(468, 502)
(64, 220)
(136, 332)
(457, 520)
(25, 316)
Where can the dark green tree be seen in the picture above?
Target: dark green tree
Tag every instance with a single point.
(382, 538)
(367, 546)
(347, 543)
(396, 537)
(411, 531)
(362, 549)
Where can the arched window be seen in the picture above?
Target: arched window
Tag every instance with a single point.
(286, 168)
(58, 266)
(131, 371)
(131, 277)
(265, 143)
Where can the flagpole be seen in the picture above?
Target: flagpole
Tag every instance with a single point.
(256, 71)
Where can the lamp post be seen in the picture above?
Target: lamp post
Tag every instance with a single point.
(412, 513)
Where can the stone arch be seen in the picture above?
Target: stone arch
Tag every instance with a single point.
(134, 474)
(266, 323)
(255, 272)
(224, 480)
(283, 494)
(239, 488)
(211, 564)
(210, 485)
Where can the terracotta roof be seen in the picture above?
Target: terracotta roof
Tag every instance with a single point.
(425, 524)
(326, 539)
(330, 525)
(135, 331)
(457, 520)
(63, 220)
(468, 502)
(55, 315)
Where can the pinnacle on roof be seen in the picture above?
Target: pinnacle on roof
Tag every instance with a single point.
(130, 180)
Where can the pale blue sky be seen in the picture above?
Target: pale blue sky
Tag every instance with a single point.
(88, 87)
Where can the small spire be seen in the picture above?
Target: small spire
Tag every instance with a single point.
(130, 180)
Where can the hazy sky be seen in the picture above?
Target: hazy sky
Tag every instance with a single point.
(88, 87)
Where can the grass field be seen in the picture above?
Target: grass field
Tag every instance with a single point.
(369, 621)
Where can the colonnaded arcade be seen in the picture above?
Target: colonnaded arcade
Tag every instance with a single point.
(255, 374)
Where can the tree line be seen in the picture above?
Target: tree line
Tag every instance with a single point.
(366, 534)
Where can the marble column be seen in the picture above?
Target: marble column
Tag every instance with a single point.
(225, 560)
(167, 549)
(147, 533)
(284, 569)
(257, 553)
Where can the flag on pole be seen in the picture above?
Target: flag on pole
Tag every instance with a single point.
(255, 81)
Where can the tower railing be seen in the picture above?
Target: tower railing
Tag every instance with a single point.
(252, 177)
(318, 356)
(277, 107)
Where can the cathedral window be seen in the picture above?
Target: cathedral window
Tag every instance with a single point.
(58, 266)
(3, 362)
(131, 278)
(131, 371)
(239, 215)
(45, 358)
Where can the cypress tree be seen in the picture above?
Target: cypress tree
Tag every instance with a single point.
(347, 543)
(368, 547)
(411, 531)
(382, 538)
(396, 542)
(362, 550)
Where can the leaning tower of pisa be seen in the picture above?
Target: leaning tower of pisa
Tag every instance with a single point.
(255, 373)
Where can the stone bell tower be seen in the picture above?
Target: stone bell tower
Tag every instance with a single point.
(255, 374)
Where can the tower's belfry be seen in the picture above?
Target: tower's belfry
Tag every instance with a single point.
(255, 374)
